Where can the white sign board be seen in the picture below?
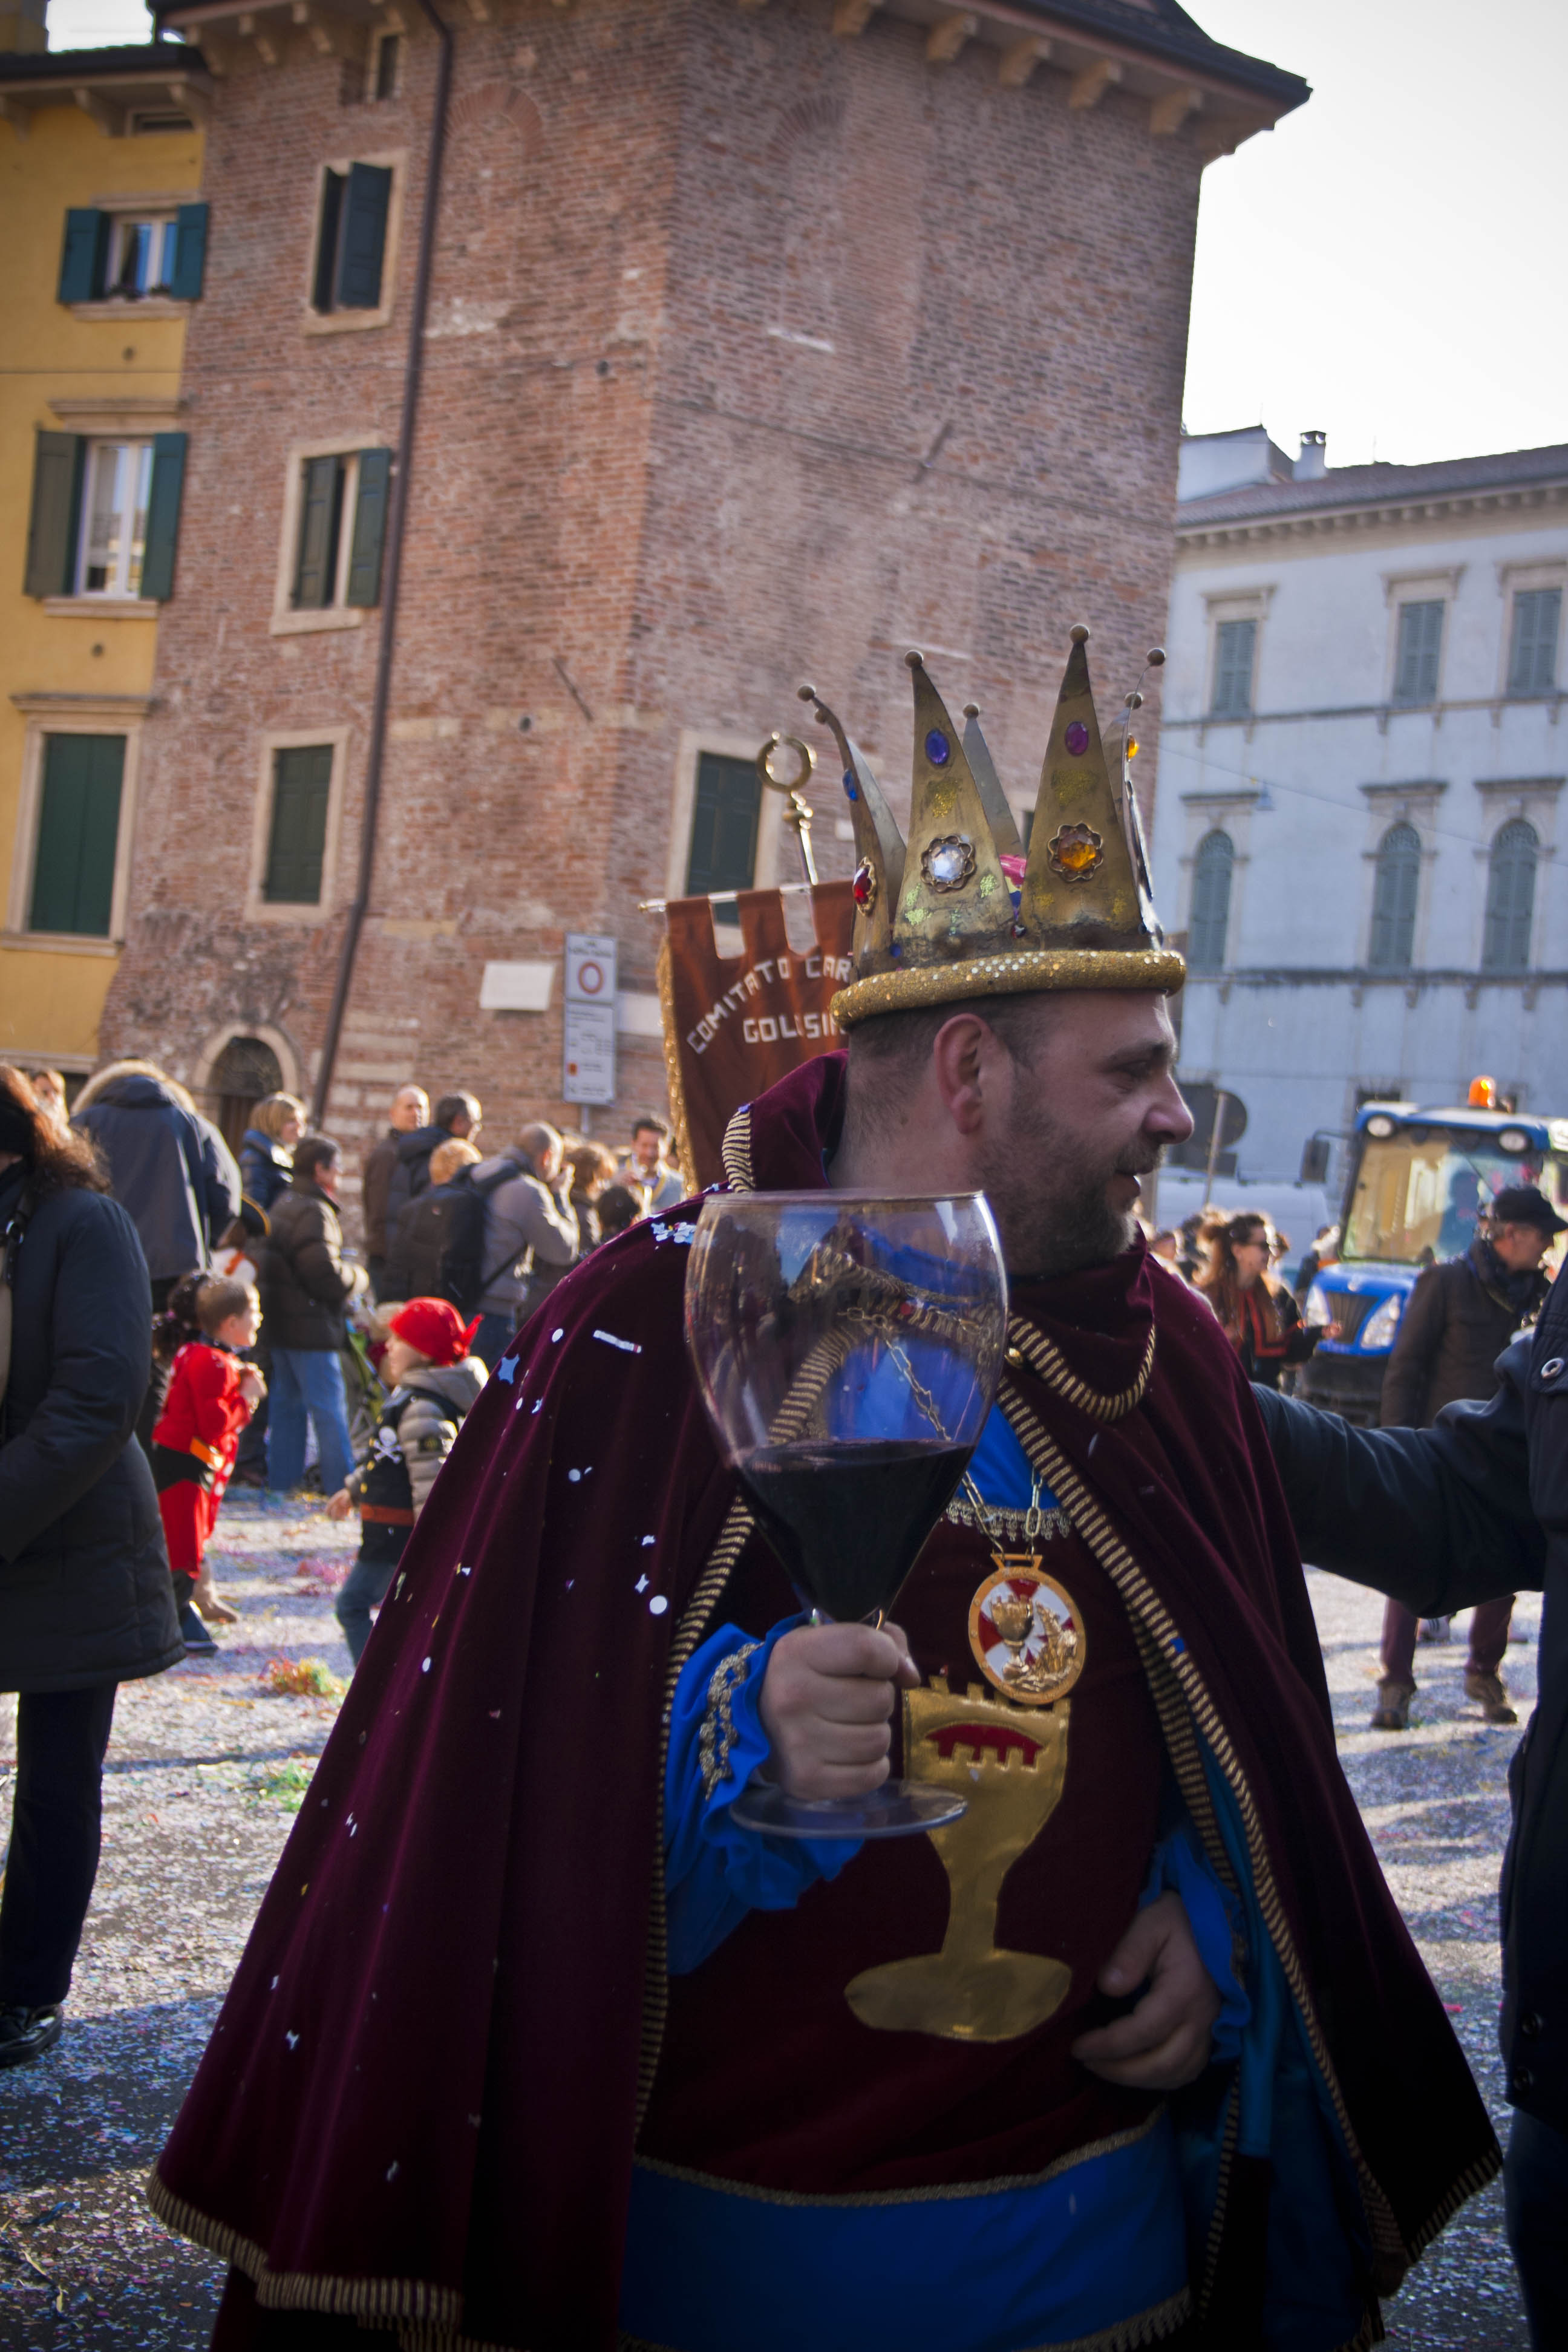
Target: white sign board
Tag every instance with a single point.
(589, 968)
(588, 1054)
(516, 987)
(589, 1074)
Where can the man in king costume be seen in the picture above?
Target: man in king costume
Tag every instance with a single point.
(532, 2047)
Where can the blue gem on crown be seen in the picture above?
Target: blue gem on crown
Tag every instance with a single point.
(849, 786)
(939, 750)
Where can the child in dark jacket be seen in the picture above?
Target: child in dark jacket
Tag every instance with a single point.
(434, 1381)
(211, 1396)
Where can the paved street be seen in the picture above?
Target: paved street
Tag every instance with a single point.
(205, 1770)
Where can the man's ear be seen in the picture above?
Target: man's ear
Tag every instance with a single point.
(965, 1057)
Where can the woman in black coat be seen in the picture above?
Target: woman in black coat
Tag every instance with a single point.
(86, 1600)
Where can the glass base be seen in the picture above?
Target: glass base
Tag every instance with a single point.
(897, 1809)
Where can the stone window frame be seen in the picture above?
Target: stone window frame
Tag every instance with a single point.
(72, 714)
(1514, 579)
(1234, 605)
(287, 621)
(151, 204)
(1417, 804)
(692, 743)
(381, 35)
(134, 417)
(1535, 798)
(1435, 583)
(1230, 813)
(260, 910)
(347, 323)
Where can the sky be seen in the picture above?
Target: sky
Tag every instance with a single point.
(1386, 265)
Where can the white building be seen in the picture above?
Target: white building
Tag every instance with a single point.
(1363, 754)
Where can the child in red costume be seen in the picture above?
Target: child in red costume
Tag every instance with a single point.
(211, 1394)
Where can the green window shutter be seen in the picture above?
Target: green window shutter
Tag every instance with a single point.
(363, 240)
(1420, 644)
(724, 825)
(84, 257)
(1394, 893)
(1510, 898)
(190, 253)
(1234, 643)
(78, 831)
(1532, 662)
(333, 184)
(369, 528)
(56, 511)
(321, 509)
(163, 515)
(302, 785)
(1210, 918)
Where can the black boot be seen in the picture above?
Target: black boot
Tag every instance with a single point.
(27, 2034)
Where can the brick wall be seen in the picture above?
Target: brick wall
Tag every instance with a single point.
(753, 354)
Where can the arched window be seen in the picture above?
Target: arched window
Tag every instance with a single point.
(1393, 899)
(247, 1069)
(1510, 898)
(1211, 902)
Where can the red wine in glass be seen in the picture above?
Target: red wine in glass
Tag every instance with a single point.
(848, 1348)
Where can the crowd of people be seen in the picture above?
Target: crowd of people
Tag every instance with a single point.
(181, 1316)
(167, 1304)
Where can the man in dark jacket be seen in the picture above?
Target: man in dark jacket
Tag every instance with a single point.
(1470, 1509)
(456, 1119)
(168, 1166)
(306, 1289)
(86, 1600)
(409, 1111)
(1460, 1318)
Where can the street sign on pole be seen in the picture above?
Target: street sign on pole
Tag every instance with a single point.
(589, 1019)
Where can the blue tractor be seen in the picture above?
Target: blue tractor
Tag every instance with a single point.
(1417, 1184)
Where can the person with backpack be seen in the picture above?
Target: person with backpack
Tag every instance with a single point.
(433, 1379)
(457, 1118)
(414, 1261)
(531, 1234)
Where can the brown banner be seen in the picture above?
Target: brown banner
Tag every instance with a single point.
(733, 1024)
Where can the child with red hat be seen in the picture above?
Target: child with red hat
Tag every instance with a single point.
(434, 1380)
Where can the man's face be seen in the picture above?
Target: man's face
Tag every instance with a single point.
(645, 1149)
(1092, 1109)
(1519, 1247)
(410, 1108)
(327, 1176)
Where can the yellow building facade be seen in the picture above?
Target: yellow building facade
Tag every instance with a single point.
(103, 256)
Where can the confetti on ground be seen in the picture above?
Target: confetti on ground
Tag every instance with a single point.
(303, 1678)
(204, 1774)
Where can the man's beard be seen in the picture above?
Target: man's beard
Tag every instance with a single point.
(1054, 1212)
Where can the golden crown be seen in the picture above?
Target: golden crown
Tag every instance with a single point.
(958, 911)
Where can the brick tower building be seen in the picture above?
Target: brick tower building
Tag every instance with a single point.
(760, 342)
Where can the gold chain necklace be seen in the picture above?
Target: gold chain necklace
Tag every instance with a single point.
(1027, 1346)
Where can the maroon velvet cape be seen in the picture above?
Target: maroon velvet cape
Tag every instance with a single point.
(420, 2101)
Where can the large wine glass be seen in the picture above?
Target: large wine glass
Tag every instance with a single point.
(848, 1348)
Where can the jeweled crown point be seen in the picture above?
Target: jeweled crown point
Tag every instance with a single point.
(972, 710)
(806, 694)
(1078, 633)
(914, 661)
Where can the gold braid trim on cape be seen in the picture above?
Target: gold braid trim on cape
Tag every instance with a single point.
(1392, 2252)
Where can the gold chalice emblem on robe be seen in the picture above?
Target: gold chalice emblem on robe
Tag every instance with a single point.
(1011, 1766)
